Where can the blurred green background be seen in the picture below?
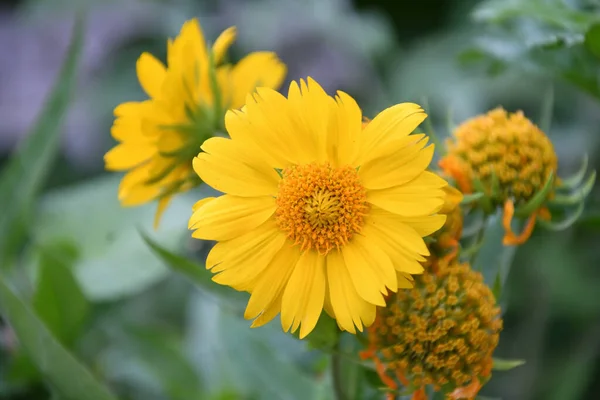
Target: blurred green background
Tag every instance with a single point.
(149, 333)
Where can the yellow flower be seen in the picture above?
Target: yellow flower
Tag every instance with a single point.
(160, 136)
(317, 212)
(508, 157)
(441, 333)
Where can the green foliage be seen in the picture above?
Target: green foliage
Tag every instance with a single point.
(23, 177)
(70, 378)
(506, 365)
(58, 299)
(541, 36)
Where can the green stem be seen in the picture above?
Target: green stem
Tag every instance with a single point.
(477, 243)
(336, 373)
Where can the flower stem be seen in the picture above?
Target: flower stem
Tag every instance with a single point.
(336, 373)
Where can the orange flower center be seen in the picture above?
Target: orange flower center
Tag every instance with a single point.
(321, 207)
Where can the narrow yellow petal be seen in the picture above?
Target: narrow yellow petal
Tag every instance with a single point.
(393, 122)
(258, 69)
(420, 197)
(229, 168)
(304, 294)
(230, 216)
(452, 199)
(273, 280)
(134, 191)
(370, 269)
(151, 74)
(126, 156)
(350, 309)
(223, 43)
(398, 168)
(343, 147)
(163, 203)
(424, 226)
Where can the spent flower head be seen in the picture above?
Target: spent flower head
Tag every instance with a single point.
(509, 161)
(188, 97)
(441, 333)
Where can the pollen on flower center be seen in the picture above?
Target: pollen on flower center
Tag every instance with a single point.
(320, 207)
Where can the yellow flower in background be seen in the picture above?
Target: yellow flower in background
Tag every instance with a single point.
(318, 213)
(508, 157)
(441, 333)
(160, 136)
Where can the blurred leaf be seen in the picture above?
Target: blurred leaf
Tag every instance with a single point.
(494, 260)
(506, 365)
(114, 260)
(261, 362)
(24, 175)
(497, 288)
(592, 39)
(195, 272)
(58, 299)
(164, 357)
(555, 13)
(58, 366)
(325, 335)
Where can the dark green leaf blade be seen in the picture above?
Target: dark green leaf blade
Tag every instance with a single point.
(592, 40)
(67, 375)
(58, 299)
(24, 175)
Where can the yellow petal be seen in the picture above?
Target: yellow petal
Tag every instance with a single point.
(392, 123)
(240, 260)
(134, 191)
(452, 199)
(229, 168)
(342, 146)
(271, 283)
(397, 169)
(163, 203)
(269, 313)
(151, 74)
(403, 245)
(126, 156)
(223, 43)
(230, 216)
(424, 226)
(349, 308)
(304, 294)
(199, 204)
(419, 197)
(259, 69)
(370, 269)
(265, 120)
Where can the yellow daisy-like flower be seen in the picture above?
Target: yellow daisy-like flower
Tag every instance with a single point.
(317, 212)
(160, 136)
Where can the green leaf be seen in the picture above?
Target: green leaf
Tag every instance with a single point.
(58, 299)
(506, 365)
(163, 355)
(24, 175)
(537, 200)
(497, 288)
(195, 272)
(325, 335)
(114, 261)
(578, 196)
(575, 180)
(566, 223)
(592, 39)
(470, 198)
(67, 375)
